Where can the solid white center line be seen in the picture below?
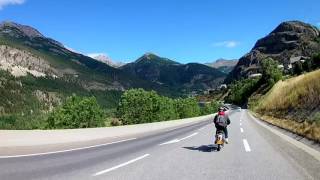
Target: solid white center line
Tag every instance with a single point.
(68, 150)
(121, 165)
(246, 145)
(188, 136)
(241, 130)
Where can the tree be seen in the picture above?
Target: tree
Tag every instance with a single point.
(241, 90)
(187, 107)
(140, 106)
(77, 112)
(210, 108)
(270, 72)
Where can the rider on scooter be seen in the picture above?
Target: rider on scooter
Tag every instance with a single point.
(221, 121)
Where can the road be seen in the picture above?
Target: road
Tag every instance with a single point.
(253, 153)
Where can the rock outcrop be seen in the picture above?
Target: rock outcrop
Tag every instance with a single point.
(289, 41)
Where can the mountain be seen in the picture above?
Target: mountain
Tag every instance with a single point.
(38, 73)
(107, 60)
(181, 77)
(287, 43)
(223, 65)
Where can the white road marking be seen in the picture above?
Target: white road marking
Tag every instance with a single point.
(68, 150)
(240, 124)
(178, 140)
(246, 145)
(188, 136)
(201, 128)
(121, 165)
(241, 129)
(169, 142)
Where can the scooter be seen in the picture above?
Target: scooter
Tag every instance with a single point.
(219, 140)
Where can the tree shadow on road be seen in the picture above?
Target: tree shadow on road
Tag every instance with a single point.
(203, 148)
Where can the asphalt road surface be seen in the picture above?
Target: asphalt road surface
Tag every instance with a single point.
(185, 153)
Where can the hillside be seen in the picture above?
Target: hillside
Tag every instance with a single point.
(223, 65)
(38, 73)
(288, 43)
(181, 77)
(294, 104)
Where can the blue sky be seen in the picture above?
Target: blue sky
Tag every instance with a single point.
(182, 30)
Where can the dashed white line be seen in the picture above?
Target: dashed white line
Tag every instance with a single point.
(188, 136)
(241, 129)
(246, 145)
(240, 124)
(178, 140)
(68, 150)
(121, 165)
(170, 142)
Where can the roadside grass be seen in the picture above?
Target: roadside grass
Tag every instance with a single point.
(301, 93)
(306, 129)
(293, 104)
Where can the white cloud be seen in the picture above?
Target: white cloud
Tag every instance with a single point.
(227, 44)
(4, 3)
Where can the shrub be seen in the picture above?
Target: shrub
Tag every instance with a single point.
(210, 108)
(115, 122)
(77, 112)
(270, 72)
(187, 108)
(242, 90)
(140, 106)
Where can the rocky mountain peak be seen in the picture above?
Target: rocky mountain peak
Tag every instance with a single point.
(298, 27)
(26, 30)
(150, 56)
(289, 40)
(107, 60)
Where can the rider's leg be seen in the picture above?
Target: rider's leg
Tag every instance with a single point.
(225, 130)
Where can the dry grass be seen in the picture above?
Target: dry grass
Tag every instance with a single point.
(294, 104)
(306, 129)
(300, 93)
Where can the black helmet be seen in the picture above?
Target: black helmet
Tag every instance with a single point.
(220, 109)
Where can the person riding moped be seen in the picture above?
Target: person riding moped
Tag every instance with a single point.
(221, 121)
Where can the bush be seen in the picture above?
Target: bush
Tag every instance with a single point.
(242, 90)
(77, 112)
(210, 108)
(140, 106)
(187, 108)
(270, 72)
(115, 122)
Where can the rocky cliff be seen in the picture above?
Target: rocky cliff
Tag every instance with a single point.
(289, 42)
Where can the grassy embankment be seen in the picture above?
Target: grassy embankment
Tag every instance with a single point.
(294, 104)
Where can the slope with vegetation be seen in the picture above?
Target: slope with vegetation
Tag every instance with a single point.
(294, 104)
(288, 43)
(39, 73)
(268, 79)
(178, 77)
(223, 65)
